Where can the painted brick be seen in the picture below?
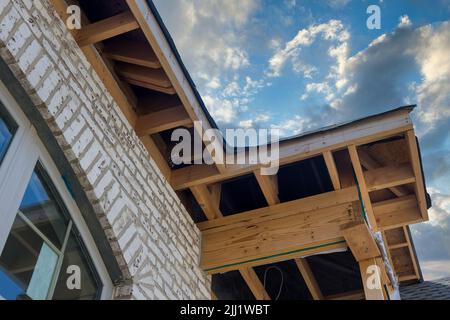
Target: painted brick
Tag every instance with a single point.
(156, 243)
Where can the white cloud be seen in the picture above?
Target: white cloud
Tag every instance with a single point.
(338, 3)
(433, 57)
(246, 124)
(290, 3)
(211, 39)
(222, 110)
(435, 269)
(321, 87)
(332, 30)
(404, 21)
(295, 125)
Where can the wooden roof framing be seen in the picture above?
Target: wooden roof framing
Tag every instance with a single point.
(393, 193)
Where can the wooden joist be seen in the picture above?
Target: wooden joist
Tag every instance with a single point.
(417, 168)
(317, 202)
(207, 202)
(397, 212)
(162, 120)
(154, 79)
(360, 241)
(411, 251)
(272, 232)
(309, 278)
(269, 187)
(388, 177)
(331, 166)
(370, 164)
(290, 151)
(362, 186)
(254, 284)
(106, 29)
(133, 52)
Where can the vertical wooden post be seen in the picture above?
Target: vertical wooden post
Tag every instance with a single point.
(371, 278)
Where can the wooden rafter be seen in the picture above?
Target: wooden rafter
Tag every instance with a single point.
(205, 200)
(154, 79)
(106, 29)
(415, 162)
(255, 285)
(331, 166)
(162, 120)
(397, 212)
(389, 177)
(180, 83)
(370, 164)
(133, 52)
(269, 187)
(308, 277)
(362, 186)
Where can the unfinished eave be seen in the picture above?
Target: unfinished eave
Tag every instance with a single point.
(370, 169)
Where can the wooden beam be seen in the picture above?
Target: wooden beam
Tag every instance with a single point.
(274, 231)
(216, 193)
(397, 212)
(157, 156)
(331, 166)
(147, 85)
(206, 202)
(134, 52)
(123, 99)
(162, 120)
(417, 168)
(362, 186)
(285, 209)
(320, 247)
(290, 151)
(253, 282)
(309, 278)
(411, 251)
(388, 177)
(360, 241)
(154, 79)
(269, 187)
(371, 279)
(369, 163)
(107, 28)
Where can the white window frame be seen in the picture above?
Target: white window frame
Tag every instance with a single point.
(25, 151)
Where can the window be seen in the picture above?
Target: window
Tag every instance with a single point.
(46, 250)
(7, 130)
(42, 245)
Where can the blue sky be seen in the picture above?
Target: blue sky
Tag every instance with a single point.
(298, 65)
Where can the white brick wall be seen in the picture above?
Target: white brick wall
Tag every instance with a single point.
(155, 241)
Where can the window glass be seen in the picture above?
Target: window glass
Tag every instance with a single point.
(74, 256)
(44, 250)
(25, 252)
(7, 130)
(43, 210)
